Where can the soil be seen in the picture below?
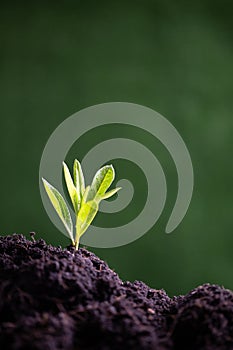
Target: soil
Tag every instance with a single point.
(53, 298)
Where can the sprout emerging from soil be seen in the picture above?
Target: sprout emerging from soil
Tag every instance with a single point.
(85, 200)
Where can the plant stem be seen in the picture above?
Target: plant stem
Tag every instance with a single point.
(77, 244)
(77, 236)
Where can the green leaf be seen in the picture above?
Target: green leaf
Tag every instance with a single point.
(73, 193)
(61, 207)
(85, 216)
(101, 182)
(85, 194)
(110, 193)
(79, 181)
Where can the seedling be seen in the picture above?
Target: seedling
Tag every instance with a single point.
(85, 200)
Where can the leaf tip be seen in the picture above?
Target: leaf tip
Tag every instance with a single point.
(44, 181)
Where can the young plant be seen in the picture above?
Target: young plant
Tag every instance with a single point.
(85, 200)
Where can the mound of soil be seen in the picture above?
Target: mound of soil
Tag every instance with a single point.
(54, 299)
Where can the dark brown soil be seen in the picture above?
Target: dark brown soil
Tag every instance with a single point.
(53, 298)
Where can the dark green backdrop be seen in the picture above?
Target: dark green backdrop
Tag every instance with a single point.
(173, 56)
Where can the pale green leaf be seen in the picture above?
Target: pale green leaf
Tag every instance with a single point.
(85, 194)
(60, 206)
(85, 216)
(79, 181)
(110, 193)
(73, 193)
(101, 182)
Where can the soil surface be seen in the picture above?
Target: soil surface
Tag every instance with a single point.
(53, 298)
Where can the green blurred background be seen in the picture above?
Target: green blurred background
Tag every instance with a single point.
(175, 57)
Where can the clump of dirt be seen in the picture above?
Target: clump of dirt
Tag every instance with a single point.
(61, 299)
(204, 319)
